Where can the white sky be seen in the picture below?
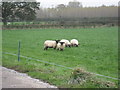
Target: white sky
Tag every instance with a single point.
(85, 3)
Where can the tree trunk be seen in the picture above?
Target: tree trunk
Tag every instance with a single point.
(4, 22)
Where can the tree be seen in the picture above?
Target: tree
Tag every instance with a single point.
(74, 4)
(19, 10)
(0, 12)
(26, 10)
(7, 11)
(61, 6)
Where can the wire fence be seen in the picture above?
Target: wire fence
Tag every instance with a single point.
(58, 65)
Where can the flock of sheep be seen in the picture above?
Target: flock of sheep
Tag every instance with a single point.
(60, 44)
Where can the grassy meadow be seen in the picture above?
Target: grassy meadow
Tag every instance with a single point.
(97, 53)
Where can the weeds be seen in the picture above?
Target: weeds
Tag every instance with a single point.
(81, 77)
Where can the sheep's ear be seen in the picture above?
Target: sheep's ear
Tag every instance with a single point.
(56, 41)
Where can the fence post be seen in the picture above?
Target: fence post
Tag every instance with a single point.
(19, 51)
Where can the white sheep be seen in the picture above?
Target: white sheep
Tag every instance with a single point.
(60, 46)
(74, 42)
(50, 44)
(67, 43)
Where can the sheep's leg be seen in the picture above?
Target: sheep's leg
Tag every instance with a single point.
(58, 48)
(61, 49)
(69, 45)
(72, 45)
(55, 47)
(45, 48)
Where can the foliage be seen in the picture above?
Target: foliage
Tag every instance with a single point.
(19, 10)
(79, 12)
(65, 23)
(7, 11)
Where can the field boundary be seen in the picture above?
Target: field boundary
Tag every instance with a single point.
(57, 65)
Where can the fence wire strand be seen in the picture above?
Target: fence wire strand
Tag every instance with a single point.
(57, 65)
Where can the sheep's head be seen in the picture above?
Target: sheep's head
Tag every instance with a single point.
(62, 43)
(77, 45)
(57, 41)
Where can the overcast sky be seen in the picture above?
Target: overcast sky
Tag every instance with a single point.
(85, 3)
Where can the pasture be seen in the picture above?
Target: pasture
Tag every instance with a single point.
(97, 53)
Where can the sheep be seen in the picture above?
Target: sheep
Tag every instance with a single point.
(60, 46)
(50, 44)
(74, 42)
(67, 43)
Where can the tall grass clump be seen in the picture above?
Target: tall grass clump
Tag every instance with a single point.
(81, 77)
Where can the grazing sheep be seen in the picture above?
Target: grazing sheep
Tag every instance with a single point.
(74, 42)
(60, 46)
(50, 44)
(67, 43)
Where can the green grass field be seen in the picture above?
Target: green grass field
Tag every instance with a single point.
(97, 53)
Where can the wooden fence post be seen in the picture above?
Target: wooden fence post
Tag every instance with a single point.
(19, 51)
